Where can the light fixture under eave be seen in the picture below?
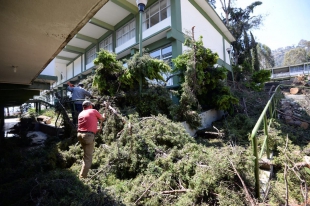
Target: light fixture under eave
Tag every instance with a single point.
(14, 68)
(141, 4)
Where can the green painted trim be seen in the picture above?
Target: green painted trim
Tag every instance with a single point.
(176, 17)
(158, 44)
(75, 49)
(86, 38)
(160, 31)
(126, 5)
(224, 52)
(46, 77)
(101, 24)
(40, 86)
(73, 60)
(64, 58)
(137, 27)
(113, 41)
(174, 34)
(73, 67)
(71, 51)
(207, 17)
(176, 51)
(150, 3)
(224, 64)
(90, 47)
(82, 63)
(124, 21)
(133, 51)
(103, 37)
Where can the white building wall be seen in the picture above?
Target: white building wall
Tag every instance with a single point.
(49, 70)
(161, 25)
(227, 45)
(77, 66)
(212, 39)
(69, 71)
(90, 65)
(120, 48)
(60, 69)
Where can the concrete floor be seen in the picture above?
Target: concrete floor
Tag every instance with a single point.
(8, 124)
(37, 137)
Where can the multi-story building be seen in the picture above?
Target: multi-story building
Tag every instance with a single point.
(290, 72)
(115, 27)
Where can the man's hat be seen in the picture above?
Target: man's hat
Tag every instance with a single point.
(87, 103)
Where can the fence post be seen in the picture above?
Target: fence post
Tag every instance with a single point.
(267, 136)
(256, 171)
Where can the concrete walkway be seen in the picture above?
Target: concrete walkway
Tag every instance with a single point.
(8, 124)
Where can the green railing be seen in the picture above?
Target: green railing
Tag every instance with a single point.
(265, 120)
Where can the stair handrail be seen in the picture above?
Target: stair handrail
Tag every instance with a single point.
(271, 108)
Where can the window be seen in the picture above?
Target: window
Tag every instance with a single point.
(156, 13)
(91, 55)
(107, 44)
(126, 33)
(297, 69)
(166, 55)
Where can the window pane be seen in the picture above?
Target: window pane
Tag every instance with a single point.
(163, 14)
(155, 54)
(147, 14)
(163, 4)
(132, 34)
(166, 52)
(118, 42)
(154, 19)
(154, 9)
(125, 33)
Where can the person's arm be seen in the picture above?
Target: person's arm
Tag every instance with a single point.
(102, 120)
(70, 86)
(87, 94)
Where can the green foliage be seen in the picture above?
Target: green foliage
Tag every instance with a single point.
(32, 112)
(147, 68)
(201, 80)
(239, 22)
(121, 84)
(112, 78)
(106, 79)
(258, 79)
(255, 62)
(49, 112)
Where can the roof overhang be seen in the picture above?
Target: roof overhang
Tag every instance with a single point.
(32, 34)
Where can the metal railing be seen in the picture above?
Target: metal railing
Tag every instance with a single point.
(269, 113)
(264, 120)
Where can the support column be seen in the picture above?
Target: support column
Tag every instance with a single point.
(1, 125)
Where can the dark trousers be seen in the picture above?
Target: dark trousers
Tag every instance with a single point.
(75, 112)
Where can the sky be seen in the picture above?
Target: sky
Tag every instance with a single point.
(285, 22)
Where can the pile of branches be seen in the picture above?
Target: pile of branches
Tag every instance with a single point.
(152, 161)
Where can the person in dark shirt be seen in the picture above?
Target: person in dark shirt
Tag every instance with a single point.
(78, 96)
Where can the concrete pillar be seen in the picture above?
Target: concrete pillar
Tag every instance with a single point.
(37, 107)
(1, 124)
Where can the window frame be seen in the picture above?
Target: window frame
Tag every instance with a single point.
(91, 54)
(126, 32)
(148, 17)
(107, 44)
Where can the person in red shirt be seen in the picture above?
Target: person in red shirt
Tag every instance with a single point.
(87, 128)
